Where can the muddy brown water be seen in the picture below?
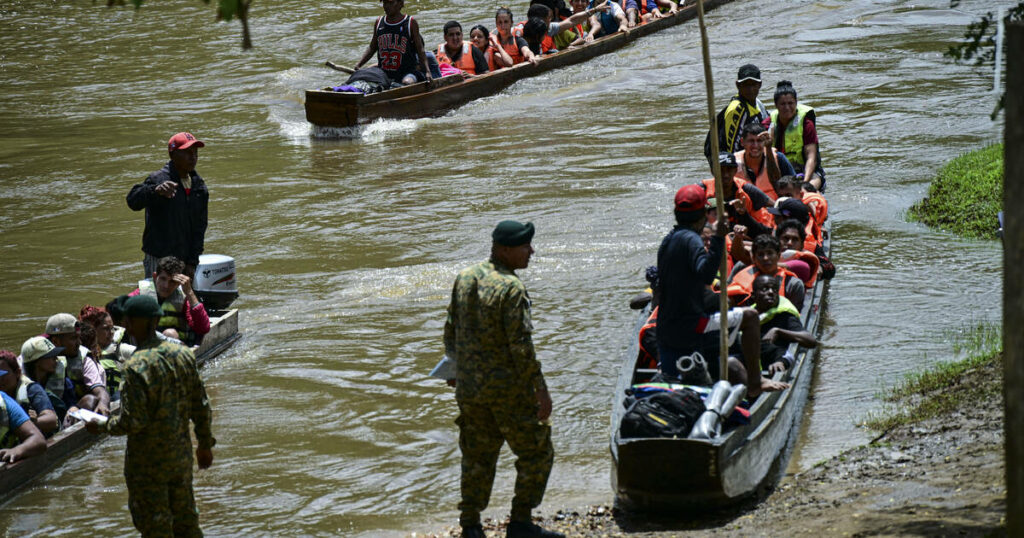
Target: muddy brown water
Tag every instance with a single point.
(346, 246)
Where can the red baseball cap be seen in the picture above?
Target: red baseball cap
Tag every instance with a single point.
(691, 198)
(184, 141)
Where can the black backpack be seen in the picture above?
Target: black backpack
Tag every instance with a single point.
(662, 414)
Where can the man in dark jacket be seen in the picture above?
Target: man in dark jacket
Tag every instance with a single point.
(175, 199)
(685, 269)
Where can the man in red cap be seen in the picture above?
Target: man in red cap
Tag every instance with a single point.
(175, 199)
(685, 270)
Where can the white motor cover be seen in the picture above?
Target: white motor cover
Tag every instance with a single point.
(215, 272)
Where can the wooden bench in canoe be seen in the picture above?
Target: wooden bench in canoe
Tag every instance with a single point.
(661, 474)
(223, 333)
(328, 108)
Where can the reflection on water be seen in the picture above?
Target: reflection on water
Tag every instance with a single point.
(347, 243)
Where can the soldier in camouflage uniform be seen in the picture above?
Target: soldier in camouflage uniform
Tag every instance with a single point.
(499, 385)
(162, 392)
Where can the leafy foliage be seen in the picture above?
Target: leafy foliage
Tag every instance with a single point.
(226, 10)
(966, 195)
(979, 42)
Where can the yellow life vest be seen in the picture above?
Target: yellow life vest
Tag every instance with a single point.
(785, 305)
(173, 308)
(56, 382)
(22, 396)
(794, 133)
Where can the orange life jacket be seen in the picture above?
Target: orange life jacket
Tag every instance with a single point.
(812, 235)
(489, 55)
(811, 260)
(820, 206)
(648, 358)
(546, 44)
(742, 284)
(761, 215)
(512, 49)
(761, 181)
(465, 61)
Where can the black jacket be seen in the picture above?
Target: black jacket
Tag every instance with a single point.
(684, 271)
(174, 226)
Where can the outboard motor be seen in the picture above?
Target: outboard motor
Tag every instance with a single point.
(215, 281)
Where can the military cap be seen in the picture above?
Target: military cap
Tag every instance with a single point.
(142, 306)
(512, 234)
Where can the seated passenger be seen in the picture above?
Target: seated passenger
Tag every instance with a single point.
(31, 396)
(121, 337)
(544, 43)
(607, 22)
(758, 165)
(397, 42)
(88, 388)
(481, 38)
(515, 47)
(112, 353)
(632, 9)
(683, 326)
(814, 200)
(795, 131)
(458, 53)
(185, 317)
(791, 208)
(765, 252)
(804, 264)
(40, 359)
(780, 325)
(652, 9)
(743, 108)
(744, 203)
(19, 437)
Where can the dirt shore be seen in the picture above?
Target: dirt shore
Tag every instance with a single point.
(937, 477)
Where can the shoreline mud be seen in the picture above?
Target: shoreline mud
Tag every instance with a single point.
(941, 476)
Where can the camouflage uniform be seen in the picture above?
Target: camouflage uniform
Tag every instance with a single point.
(488, 333)
(162, 392)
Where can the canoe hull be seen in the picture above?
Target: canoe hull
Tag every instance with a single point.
(327, 108)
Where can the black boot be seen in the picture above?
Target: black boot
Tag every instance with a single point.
(519, 529)
(473, 531)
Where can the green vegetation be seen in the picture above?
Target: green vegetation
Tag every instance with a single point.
(947, 386)
(966, 195)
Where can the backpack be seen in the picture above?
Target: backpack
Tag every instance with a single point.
(662, 414)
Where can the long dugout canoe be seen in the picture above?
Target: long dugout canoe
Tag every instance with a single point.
(662, 474)
(13, 477)
(327, 108)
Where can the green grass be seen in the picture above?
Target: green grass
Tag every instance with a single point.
(949, 385)
(966, 195)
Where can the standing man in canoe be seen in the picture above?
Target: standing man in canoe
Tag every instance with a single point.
(162, 393)
(175, 199)
(500, 389)
(399, 47)
(743, 108)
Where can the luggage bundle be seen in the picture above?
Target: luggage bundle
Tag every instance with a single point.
(670, 413)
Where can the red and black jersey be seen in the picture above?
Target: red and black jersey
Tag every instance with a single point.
(396, 52)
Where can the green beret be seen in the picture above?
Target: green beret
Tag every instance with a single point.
(142, 306)
(512, 234)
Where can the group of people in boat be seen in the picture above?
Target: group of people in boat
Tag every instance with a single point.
(76, 362)
(550, 26)
(772, 232)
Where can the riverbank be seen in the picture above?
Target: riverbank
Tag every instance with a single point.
(928, 474)
(966, 195)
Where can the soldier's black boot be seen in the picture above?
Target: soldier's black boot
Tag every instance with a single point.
(519, 529)
(473, 531)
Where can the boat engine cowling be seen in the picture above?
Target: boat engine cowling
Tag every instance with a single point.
(215, 282)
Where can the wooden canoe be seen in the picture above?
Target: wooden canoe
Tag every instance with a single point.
(223, 333)
(687, 474)
(328, 108)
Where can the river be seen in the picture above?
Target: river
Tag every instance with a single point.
(347, 247)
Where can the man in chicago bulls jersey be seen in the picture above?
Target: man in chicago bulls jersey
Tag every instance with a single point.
(399, 47)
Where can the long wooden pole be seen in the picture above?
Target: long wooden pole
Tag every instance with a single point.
(723, 268)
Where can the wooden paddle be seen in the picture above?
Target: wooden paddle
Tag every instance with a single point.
(337, 67)
(723, 340)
